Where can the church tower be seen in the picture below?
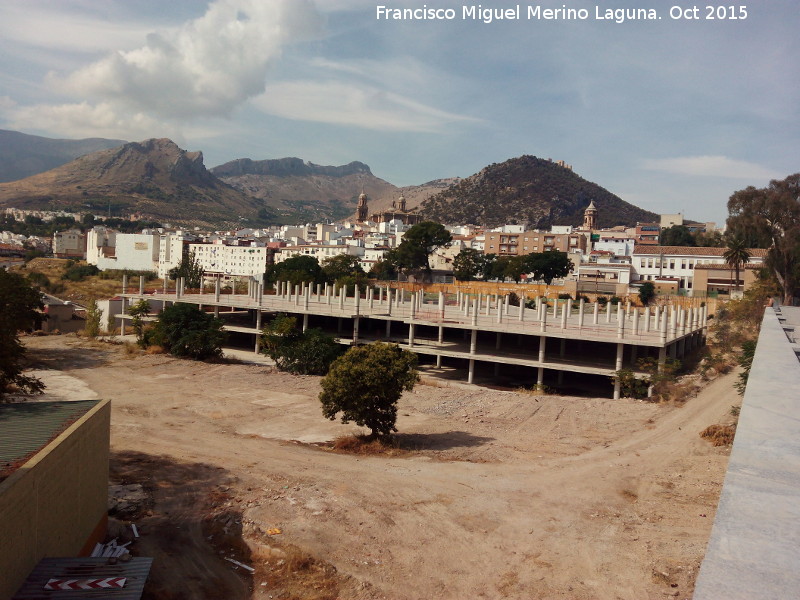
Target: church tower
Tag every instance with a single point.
(590, 217)
(361, 209)
(402, 203)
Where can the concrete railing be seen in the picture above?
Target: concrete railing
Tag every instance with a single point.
(754, 549)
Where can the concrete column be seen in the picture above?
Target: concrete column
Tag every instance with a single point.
(657, 324)
(217, 286)
(371, 297)
(475, 309)
(564, 316)
(619, 311)
(608, 312)
(673, 319)
(499, 340)
(306, 298)
(662, 359)
(165, 286)
(673, 348)
(216, 310)
(124, 283)
(471, 375)
(488, 304)
(411, 335)
(682, 321)
(389, 302)
(663, 330)
(542, 346)
(617, 386)
(341, 298)
(141, 285)
(506, 304)
(499, 307)
(297, 295)
(179, 288)
(521, 315)
(620, 328)
(339, 326)
(257, 347)
(595, 312)
(540, 377)
(580, 313)
(441, 305)
(441, 335)
(543, 325)
(635, 321)
(305, 322)
(260, 298)
(473, 341)
(480, 301)
(388, 329)
(438, 361)
(357, 300)
(356, 320)
(647, 319)
(563, 347)
(123, 311)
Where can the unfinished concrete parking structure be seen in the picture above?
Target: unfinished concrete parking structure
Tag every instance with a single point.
(468, 331)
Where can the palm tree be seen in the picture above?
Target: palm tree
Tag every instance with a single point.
(736, 255)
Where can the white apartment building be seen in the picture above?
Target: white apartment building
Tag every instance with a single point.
(678, 262)
(170, 251)
(318, 251)
(232, 261)
(131, 251)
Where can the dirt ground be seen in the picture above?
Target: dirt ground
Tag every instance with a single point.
(504, 495)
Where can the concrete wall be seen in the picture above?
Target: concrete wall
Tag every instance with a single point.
(754, 550)
(56, 503)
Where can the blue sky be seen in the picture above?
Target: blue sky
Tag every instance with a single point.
(671, 115)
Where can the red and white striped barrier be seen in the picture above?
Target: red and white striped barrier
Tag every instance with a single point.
(85, 584)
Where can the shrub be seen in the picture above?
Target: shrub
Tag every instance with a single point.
(185, 330)
(303, 353)
(365, 384)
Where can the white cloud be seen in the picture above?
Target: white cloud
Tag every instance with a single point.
(86, 120)
(207, 67)
(353, 104)
(710, 166)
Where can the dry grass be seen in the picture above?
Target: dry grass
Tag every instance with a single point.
(365, 445)
(154, 349)
(719, 435)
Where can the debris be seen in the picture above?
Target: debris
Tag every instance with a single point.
(135, 531)
(110, 549)
(274, 531)
(238, 564)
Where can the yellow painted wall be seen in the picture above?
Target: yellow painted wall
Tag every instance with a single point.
(53, 503)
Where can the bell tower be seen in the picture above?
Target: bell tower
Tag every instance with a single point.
(590, 217)
(361, 209)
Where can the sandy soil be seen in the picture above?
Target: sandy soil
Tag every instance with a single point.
(506, 495)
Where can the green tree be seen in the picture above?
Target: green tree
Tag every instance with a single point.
(138, 312)
(185, 330)
(93, 317)
(736, 255)
(677, 235)
(468, 264)
(746, 362)
(647, 291)
(20, 306)
(770, 218)
(190, 269)
(383, 270)
(365, 384)
(418, 244)
(342, 265)
(304, 353)
(296, 270)
(547, 266)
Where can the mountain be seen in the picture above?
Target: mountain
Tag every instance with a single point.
(154, 178)
(23, 155)
(529, 189)
(310, 192)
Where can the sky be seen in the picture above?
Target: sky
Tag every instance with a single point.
(671, 114)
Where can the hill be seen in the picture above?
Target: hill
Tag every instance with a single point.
(23, 155)
(528, 189)
(155, 179)
(309, 192)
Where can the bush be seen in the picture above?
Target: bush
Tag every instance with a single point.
(79, 272)
(303, 353)
(365, 385)
(615, 300)
(602, 300)
(185, 330)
